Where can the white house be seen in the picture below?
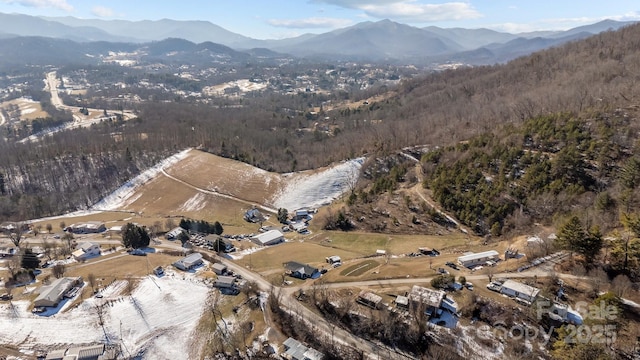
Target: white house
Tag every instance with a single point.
(270, 237)
(519, 290)
(189, 262)
(472, 260)
(86, 250)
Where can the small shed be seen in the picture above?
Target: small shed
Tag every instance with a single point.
(402, 302)
(219, 268)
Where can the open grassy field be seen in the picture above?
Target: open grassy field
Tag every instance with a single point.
(226, 176)
(360, 268)
(272, 258)
(164, 196)
(120, 265)
(367, 243)
(28, 109)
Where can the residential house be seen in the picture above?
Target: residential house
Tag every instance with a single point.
(301, 215)
(51, 295)
(86, 250)
(189, 262)
(428, 299)
(472, 260)
(254, 216)
(295, 350)
(301, 271)
(219, 268)
(520, 291)
(270, 237)
(174, 233)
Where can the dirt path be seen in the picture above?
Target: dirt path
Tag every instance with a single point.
(226, 196)
(417, 189)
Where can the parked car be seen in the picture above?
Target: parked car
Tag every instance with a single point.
(494, 287)
(442, 271)
(6, 297)
(451, 265)
(469, 286)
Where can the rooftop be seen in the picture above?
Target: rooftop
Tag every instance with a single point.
(476, 256)
(426, 296)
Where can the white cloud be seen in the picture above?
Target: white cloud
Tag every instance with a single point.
(357, 4)
(310, 23)
(560, 23)
(58, 4)
(101, 11)
(411, 11)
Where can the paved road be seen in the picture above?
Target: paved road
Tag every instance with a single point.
(79, 120)
(340, 335)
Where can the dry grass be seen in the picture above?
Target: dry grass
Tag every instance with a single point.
(119, 266)
(360, 268)
(29, 110)
(272, 258)
(367, 243)
(243, 181)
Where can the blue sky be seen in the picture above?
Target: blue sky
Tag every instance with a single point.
(271, 19)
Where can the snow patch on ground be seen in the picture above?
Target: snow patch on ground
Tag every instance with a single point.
(157, 320)
(318, 189)
(241, 254)
(124, 195)
(195, 203)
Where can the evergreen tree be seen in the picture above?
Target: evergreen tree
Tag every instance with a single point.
(133, 236)
(217, 228)
(283, 215)
(572, 236)
(30, 260)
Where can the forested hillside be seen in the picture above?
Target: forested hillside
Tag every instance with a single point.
(505, 112)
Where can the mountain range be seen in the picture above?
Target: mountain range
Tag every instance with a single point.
(383, 40)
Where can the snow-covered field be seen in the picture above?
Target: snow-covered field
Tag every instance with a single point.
(126, 194)
(318, 189)
(158, 319)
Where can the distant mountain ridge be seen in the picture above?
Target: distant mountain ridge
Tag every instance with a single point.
(383, 40)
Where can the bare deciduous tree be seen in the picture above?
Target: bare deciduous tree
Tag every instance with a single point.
(91, 278)
(58, 270)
